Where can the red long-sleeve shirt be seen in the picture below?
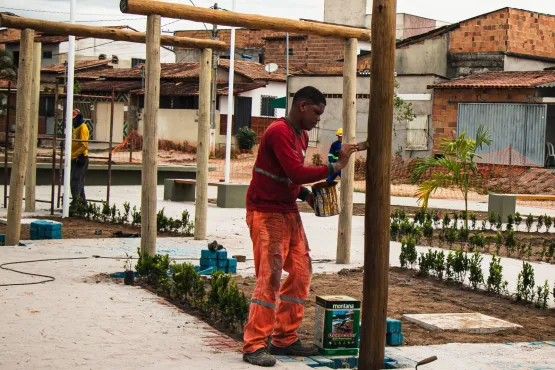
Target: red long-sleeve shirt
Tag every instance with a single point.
(279, 170)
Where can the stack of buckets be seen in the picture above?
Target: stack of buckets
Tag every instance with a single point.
(211, 261)
(43, 229)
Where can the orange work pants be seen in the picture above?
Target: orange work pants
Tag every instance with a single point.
(279, 243)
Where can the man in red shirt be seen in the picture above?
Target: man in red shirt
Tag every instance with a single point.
(279, 240)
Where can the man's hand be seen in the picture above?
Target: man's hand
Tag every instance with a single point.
(346, 151)
(310, 200)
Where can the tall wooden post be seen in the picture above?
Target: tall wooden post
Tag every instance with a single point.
(149, 179)
(21, 147)
(31, 175)
(378, 167)
(349, 137)
(203, 144)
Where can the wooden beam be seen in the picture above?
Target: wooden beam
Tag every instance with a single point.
(58, 28)
(31, 175)
(150, 137)
(378, 187)
(21, 146)
(349, 137)
(234, 19)
(203, 145)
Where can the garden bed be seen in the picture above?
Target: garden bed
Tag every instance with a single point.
(409, 293)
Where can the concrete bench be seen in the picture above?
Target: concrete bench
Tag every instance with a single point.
(505, 204)
(229, 195)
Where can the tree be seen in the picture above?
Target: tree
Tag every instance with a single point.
(8, 71)
(454, 168)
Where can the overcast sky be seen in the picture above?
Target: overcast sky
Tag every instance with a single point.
(106, 12)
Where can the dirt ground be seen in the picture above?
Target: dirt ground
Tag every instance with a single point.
(77, 228)
(409, 293)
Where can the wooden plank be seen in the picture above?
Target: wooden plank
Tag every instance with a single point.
(203, 145)
(193, 182)
(534, 197)
(150, 136)
(349, 137)
(234, 19)
(378, 185)
(21, 147)
(58, 28)
(31, 174)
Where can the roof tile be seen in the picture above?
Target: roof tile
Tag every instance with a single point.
(529, 79)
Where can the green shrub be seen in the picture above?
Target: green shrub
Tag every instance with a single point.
(495, 278)
(525, 283)
(543, 296)
(518, 220)
(246, 138)
(529, 222)
(460, 265)
(476, 276)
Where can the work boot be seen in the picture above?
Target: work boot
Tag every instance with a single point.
(295, 349)
(260, 357)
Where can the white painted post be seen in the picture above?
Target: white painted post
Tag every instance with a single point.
(230, 101)
(69, 114)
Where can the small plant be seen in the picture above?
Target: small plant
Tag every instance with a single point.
(408, 254)
(474, 220)
(451, 236)
(498, 242)
(106, 212)
(436, 218)
(525, 283)
(126, 212)
(246, 138)
(529, 222)
(449, 266)
(484, 223)
(428, 231)
(460, 265)
(128, 266)
(317, 159)
(154, 268)
(420, 216)
(510, 222)
(551, 251)
(445, 221)
(463, 234)
(426, 263)
(518, 220)
(135, 217)
(188, 226)
(455, 221)
(510, 241)
(491, 220)
(439, 264)
(548, 223)
(476, 276)
(539, 225)
(499, 223)
(495, 278)
(394, 229)
(543, 296)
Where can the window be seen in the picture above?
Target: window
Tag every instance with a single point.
(290, 51)
(46, 55)
(261, 58)
(265, 109)
(224, 56)
(417, 133)
(135, 61)
(15, 57)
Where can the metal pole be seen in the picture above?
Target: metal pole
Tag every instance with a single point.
(230, 102)
(6, 145)
(110, 152)
(213, 90)
(54, 144)
(286, 73)
(60, 170)
(68, 113)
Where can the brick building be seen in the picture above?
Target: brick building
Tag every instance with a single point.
(504, 40)
(518, 108)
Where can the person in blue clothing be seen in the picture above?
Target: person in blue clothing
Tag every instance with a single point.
(333, 155)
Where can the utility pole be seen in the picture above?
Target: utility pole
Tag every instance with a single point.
(213, 87)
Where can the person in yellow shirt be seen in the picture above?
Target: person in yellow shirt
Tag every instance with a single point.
(79, 158)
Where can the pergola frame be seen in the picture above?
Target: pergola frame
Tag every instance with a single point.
(153, 40)
(376, 256)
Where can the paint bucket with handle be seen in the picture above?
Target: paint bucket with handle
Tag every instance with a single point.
(326, 203)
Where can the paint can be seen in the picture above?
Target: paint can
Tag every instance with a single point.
(337, 325)
(326, 203)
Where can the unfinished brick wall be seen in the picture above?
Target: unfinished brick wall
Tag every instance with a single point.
(8, 34)
(445, 107)
(258, 125)
(243, 37)
(314, 53)
(364, 63)
(507, 30)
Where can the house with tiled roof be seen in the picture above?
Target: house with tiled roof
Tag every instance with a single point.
(518, 109)
(507, 39)
(119, 54)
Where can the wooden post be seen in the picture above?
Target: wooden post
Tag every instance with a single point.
(110, 148)
(349, 137)
(54, 145)
(7, 144)
(378, 187)
(21, 146)
(149, 179)
(234, 19)
(203, 144)
(31, 175)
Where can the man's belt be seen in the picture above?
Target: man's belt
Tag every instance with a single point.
(272, 176)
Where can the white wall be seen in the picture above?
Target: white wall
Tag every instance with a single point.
(91, 48)
(102, 122)
(276, 89)
(523, 64)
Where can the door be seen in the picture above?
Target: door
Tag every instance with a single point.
(243, 109)
(515, 128)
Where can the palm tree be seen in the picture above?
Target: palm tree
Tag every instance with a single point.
(455, 167)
